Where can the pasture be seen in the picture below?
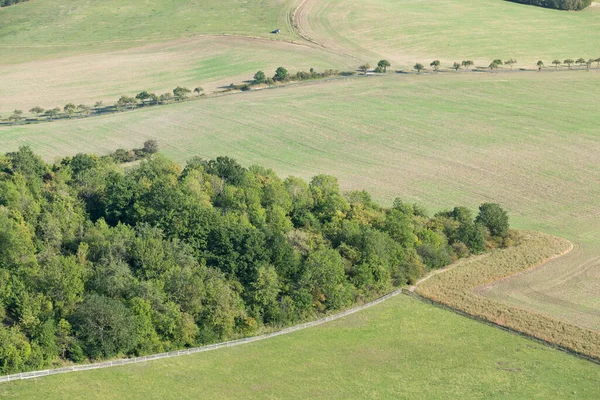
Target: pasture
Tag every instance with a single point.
(437, 139)
(382, 352)
(412, 31)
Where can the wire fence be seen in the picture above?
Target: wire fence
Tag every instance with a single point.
(177, 353)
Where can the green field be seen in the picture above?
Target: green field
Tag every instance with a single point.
(510, 141)
(49, 29)
(399, 349)
(412, 31)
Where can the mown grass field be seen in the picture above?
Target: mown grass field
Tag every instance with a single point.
(399, 349)
(528, 141)
(412, 31)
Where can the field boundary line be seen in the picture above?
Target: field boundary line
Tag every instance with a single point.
(201, 349)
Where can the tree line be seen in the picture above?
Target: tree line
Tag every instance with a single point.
(497, 63)
(99, 261)
(570, 5)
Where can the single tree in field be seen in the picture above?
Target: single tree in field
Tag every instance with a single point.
(84, 109)
(52, 113)
(419, 67)
(198, 90)
(569, 62)
(126, 102)
(70, 109)
(510, 62)
(580, 61)
(435, 64)
(364, 68)
(498, 62)
(164, 98)
(383, 64)
(597, 61)
(588, 64)
(37, 110)
(556, 63)
(151, 146)
(281, 75)
(259, 77)
(181, 93)
(467, 63)
(16, 116)
(143, 96)
(456, 66)
(540, 64)
(495, 64)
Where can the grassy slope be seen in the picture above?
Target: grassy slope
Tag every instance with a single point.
(48, 28)
(411, 30)
(383, 352)
(440, 140)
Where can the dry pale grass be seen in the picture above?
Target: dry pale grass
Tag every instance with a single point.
(460, 288)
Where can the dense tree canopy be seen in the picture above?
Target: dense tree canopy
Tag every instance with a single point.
(98, 260)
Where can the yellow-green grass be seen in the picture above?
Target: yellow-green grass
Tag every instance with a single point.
(45, 29)
(410, 31)
(399, 349)
(460, 287)
(211, 62)
(528, 141)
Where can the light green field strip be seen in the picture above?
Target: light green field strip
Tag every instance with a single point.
(528, 141)
(399, 349)
(47, 29)
(410, 31)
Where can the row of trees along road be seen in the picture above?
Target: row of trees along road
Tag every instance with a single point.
(146, 98)
(99, 261)
(497, 63)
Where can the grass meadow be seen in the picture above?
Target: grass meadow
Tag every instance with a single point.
(440, 140)
(399, 349)
(412, 31)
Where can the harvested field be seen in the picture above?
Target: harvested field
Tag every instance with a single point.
(211, 62)
(460, 287)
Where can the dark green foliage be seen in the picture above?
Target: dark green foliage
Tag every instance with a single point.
(281, 75)
(97, 260)
(557, 4)
(494, 218)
